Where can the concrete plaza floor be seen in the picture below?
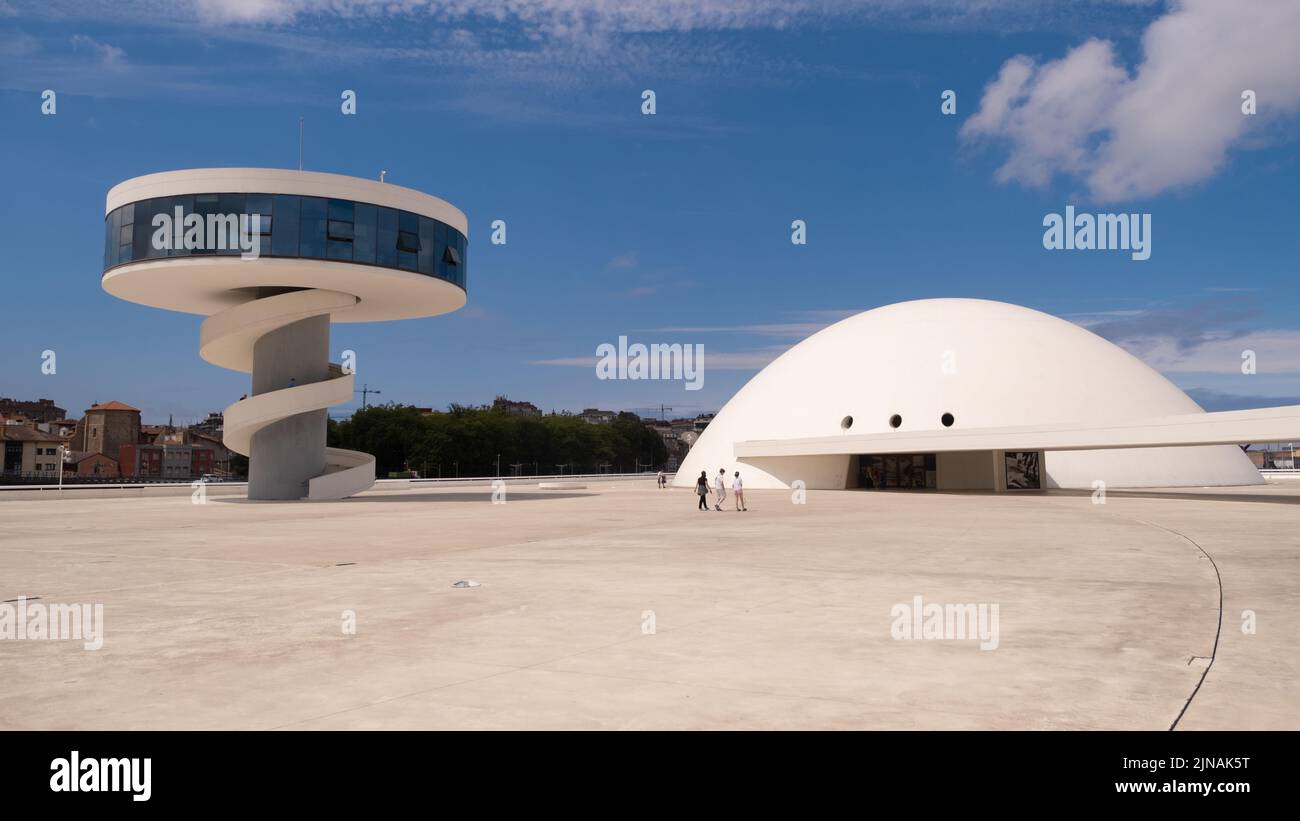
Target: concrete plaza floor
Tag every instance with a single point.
(231, 614)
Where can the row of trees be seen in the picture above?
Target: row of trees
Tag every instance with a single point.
(467, 441)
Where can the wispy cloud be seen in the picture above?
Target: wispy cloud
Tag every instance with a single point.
(628, 260)
(1202, 337)
(551, 44)
(109, 56)
(810, 322)
(778, 329)
(757, 358)
(1212, 400)
(716, 360)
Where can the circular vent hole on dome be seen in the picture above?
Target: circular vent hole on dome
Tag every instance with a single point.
(846, 422)
(947, 420)
(895, 421)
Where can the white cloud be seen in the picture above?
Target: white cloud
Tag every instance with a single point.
(109, 56)
(1169, 123)
(250, 11)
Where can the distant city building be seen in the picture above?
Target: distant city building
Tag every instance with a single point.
(593, 416)
(213, 424)
(501, 403)
(63, 427)
(668, 435)
(91, 464)
(222, 456)
(29, 452)
(106, 427)
(166, 461)
(40, 410)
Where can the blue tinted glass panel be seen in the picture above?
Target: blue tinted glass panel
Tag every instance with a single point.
(311, 242)
(143, 230)
(187, 204)
(110, 250)
(291, 226)
(440, 234)
(228, 233)
(341, 210)
(426, 245)
(363, 233)
(231, 203)
(338, 229)
(203, 205)
(125, 233)
(386, 238)
(259, 209)
(408, 241)
(464, 263)
(257, 203)
(284, 234)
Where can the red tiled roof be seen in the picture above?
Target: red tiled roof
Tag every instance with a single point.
(114, 405)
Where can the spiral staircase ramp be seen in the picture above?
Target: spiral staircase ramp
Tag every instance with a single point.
(227, 339)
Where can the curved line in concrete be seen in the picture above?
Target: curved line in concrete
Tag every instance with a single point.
(1218, 631)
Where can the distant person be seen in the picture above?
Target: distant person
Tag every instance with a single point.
(663, 480)
(738, 492)
(721, 484)
(702, 490)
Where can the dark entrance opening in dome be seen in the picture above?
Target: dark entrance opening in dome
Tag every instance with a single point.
(913, 471)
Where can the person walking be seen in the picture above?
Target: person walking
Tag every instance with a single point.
(702, 490)
(721, 484)
(738, 492)
(663, 481)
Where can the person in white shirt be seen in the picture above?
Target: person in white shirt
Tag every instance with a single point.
(721, 485)
(738, 492)
(663, 481)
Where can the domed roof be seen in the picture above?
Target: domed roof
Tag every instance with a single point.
(937, 364)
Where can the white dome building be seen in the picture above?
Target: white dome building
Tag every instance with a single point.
(959, 393)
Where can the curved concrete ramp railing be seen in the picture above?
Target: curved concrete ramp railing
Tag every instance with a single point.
(228, 338)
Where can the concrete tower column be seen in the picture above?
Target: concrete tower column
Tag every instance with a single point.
(287, 453)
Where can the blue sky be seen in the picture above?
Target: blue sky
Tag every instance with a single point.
(674, 227)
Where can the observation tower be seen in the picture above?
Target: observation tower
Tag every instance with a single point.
(272, 258)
